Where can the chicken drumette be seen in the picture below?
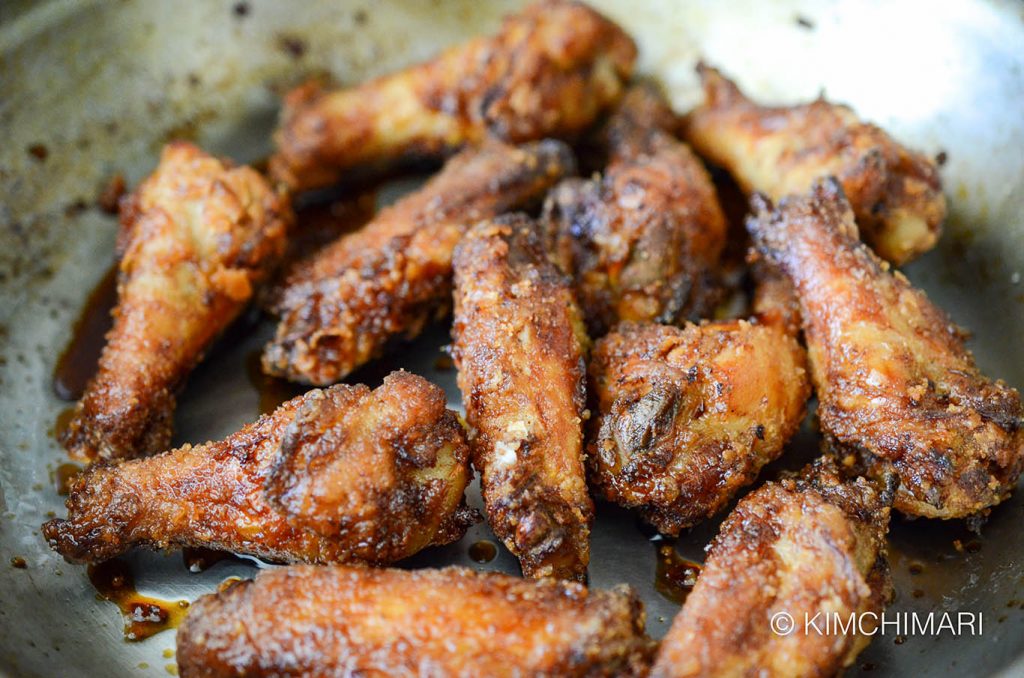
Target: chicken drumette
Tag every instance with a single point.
(338, 475)
(197, 237)
(643, 242)
(342, 306)
(896, 193)
(549, 72)
(519, 348)
(895, 382)
(792, 551)
(343, 621)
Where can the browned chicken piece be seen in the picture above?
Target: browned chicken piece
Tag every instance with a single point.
(197, 237)
(896, 193)
(345, 621)
(642, 243)
(359, 475)
(688, 416)
(550, 71)
(519, 349)
(347, 303)
(799, 547)
(895, 381)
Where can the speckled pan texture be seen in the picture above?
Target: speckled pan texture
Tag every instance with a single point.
(101, 85)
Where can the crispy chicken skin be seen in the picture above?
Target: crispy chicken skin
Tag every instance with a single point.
(642, 242)
(896, 193)
(342, 499)
(519, 349)
(388, 465)
(197, 236)
(345, 621)
(341, 307)
(803, 546)
(688, 416)
(895, 382)
(549, 72)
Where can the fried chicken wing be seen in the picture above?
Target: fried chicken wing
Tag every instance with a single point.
(642, 242)
(689, 416)
(197, 237)
(802, 546)
(519, 349)
(344, 621)
(358, 476)
(895, 382)
(342, 306)
(549, 72)
(895, 192)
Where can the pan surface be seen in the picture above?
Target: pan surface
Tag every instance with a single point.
(88, 89)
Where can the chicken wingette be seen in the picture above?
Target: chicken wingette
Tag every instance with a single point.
(550, 71)
(345, 621)
(686, 417)
(345, 304)
(338, 475)
(519, 346)
(799, 549)
(643, 242)
(896, 193)
(197, 237)
(896, 384)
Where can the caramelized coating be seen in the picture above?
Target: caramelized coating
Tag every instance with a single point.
(360, 503)
(388, 465)
(341, 307)
(896, 193)
(895, 382)
(642, 243)
(519, 348)
(688, 416)
(801, 547)
(549, 72)
(197, 237)
(343, 621)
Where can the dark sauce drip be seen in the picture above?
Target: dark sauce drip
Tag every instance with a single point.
(19, 563)
(61, 423)
(200, 559)
(78, 363)
(63, 476)
(322, 222)
(483, 551)
(144, 616)
(228, 583)
(675, 576)
(272, 391)
(444, 363)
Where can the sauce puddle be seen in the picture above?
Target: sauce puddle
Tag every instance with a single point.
(144, 616)
(675, 576)
(272, 391)
(78, 363)
(483, 551)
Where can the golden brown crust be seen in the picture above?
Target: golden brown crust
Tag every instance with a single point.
(386, 466)
(519, 347)
(801, 547)
(643, 242)
(895, 382)
(896, 193)
(197, 237)
(549, 72)
(342, 306)
(342, 621)
(214, 495)
(688, 416)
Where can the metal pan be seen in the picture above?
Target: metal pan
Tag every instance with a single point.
(91, 88)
